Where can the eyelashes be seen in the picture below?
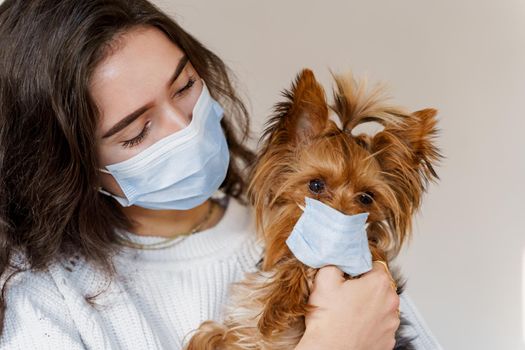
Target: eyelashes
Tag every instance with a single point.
(190, 83)
(145, 130)
(138, 139)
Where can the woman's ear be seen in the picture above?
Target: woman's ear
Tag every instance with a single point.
(302, 115)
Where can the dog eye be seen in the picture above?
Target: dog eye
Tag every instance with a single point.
(316, 186)
(366, 198)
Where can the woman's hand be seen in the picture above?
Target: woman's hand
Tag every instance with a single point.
(352, 314)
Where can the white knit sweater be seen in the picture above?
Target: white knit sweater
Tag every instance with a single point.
(158, 297)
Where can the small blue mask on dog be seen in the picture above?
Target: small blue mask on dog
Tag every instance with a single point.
(325, 236)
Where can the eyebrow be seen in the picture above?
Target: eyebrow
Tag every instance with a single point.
(133, 116)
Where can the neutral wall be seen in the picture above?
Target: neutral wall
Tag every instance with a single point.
(465, 58)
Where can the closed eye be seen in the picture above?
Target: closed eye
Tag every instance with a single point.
(189, 85)
(144, 132)
(138, 139)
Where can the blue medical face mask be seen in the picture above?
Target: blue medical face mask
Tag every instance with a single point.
(325, 236)
(183, 169)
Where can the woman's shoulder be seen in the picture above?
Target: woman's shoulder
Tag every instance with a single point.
(30, 286)
(36, 312)
(73, 271)
(21, 281)
(49, 285)
(61, 306)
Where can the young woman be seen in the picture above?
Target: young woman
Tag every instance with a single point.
(122, 183)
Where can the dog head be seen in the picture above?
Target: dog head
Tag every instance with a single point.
(306, 152)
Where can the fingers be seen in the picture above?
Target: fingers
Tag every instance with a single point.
(391, 330)
(382, 268)
(329, 277)
(378, 265)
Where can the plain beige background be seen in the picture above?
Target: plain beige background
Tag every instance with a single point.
(465, 58)
(465, 264)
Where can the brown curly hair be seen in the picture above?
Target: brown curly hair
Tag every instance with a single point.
(49, 204)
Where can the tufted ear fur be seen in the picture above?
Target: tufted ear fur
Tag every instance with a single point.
(301, 116)
(408, 150)
(409, 136)
(407, 155)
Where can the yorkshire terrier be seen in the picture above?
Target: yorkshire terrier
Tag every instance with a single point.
(307, 151)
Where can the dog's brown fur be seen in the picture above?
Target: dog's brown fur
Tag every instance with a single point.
(302, 143)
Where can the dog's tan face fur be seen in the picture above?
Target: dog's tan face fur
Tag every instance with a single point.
(308, 154)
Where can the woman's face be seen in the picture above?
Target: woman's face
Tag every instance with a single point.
(145, 90)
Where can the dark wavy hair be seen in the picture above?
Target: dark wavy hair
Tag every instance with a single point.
(49, 204)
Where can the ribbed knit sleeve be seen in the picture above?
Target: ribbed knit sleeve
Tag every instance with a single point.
(424, 340)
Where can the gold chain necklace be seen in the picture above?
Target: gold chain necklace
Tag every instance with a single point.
(169, 241)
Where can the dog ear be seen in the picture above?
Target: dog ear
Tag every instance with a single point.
(302, 115)
(407, 155)
(410, 144)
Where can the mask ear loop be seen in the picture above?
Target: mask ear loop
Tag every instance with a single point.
(100, 189)
(103, 191)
